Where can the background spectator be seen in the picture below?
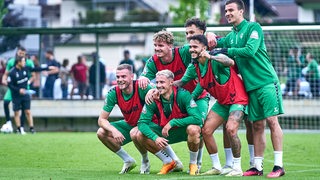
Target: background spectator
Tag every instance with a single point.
(52, 75)
(294, 65)
(64, 76)
(36, 83)
(140, 70)
(3, 87)
(92, 77)
(312, 75)
(79, 73)
(127, 60)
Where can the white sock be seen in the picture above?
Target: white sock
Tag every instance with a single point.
(278, 158)
(164, 157)
(9, 123)
(237, 163)
(258, 163)
(199, 157)
(124, 155)
(193, 157)
(168, 149)
(251, 152)
(144, 157)
(215, 161)
(229, 156)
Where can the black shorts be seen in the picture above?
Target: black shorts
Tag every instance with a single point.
(21, 102)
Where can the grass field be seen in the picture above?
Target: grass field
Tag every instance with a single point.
(82, 156)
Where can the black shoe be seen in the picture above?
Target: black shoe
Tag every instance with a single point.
(253, 172)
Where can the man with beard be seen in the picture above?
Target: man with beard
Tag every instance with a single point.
(21, 52)
(216, 75)
(114, 135)
(175, 59)
(179, 120)
(246, 44)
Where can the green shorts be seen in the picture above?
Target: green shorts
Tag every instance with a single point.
(225, 110)
(203, 106)
(8, 96)
(176, 134)
(124, 128)
(265, 102)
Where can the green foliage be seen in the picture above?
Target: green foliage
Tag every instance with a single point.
(3, 11)
(83, 156)
(96, 17)
(140, 15)
(187, 9)
(11, 19)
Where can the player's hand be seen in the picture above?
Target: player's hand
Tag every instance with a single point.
(212, 40)
(53, 68)
(165, 130)
(5, 82)
(117, 135)
(22, 91)
(161, 142)
(153, 94)
(143, 82)
(205, 54)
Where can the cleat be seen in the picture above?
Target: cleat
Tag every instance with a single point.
(226, 169)
(167, 167)
(193, 169)
(235, 172)
(145, 168)
(276, 172)
(253, 172)
(127, 167)
(212, 171)
(179, 166)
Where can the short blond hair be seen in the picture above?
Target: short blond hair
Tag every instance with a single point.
(167, 73)
(164, 36)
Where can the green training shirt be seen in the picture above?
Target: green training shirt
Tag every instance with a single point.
(247, 47)
(111, 97)
(150, 69)
(186, 105)
(10, 64)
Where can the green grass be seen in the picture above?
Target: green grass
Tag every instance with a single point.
(82, 156)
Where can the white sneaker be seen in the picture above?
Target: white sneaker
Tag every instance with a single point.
(127, 167)
(235, 172)
(22, 132)
(7, 127)
(145, 168)
(179, 167)
(226, 169)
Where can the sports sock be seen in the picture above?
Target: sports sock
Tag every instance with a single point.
(278, 158)
(258, 163)
(237, 163)
(199, 157)
(215, 161)
(193, 157)
(168, 149)
(164, 157)
(229, 156)
(124, 155)
(144, 157)
(6, 109)
(251, 152)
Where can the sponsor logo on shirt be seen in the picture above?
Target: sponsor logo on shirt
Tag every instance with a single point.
(144, 109)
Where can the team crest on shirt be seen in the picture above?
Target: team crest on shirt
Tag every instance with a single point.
(24, 73)
(231, 41)
(241, 35)
(193, 103)
(17, 74)
(254, 35)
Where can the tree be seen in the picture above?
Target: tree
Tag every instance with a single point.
(11, 19)
(3, 11)
(189, 8)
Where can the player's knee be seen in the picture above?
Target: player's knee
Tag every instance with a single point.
(100, 133)
(193, 130)
(259, 126)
